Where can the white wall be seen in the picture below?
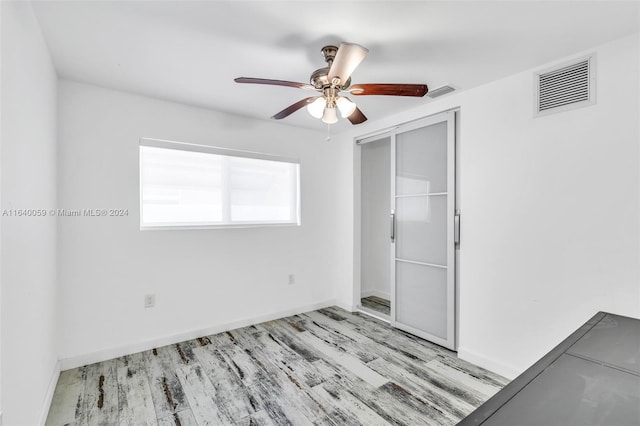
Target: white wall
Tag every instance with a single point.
(203, 279)
(1, 121)
(565, 195)
(550, 229)
(28, 259)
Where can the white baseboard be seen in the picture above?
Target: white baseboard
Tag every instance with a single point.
(377, 293)
(49, 397)
(106, 354)
(346, 307)
(504, 370)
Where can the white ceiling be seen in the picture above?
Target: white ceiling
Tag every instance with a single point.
(190, 51)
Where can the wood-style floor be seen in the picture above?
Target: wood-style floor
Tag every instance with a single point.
(327, 367)
(377, 304)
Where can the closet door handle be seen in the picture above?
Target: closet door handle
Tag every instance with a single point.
(393, 227)
(456, 228)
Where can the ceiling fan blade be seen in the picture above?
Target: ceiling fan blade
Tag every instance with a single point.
(389, 89)
(273, 82)
(347, 59)
(293, 108)
(357, 117)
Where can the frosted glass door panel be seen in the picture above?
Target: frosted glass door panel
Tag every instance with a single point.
(421, 227)
(421, 301)
(423, 209)
(421, 160)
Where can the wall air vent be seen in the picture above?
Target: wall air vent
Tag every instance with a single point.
(440, 91)
(565, 87)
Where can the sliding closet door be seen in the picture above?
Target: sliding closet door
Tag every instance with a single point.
(423, 235)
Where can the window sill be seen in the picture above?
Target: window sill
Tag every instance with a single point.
(204, 227)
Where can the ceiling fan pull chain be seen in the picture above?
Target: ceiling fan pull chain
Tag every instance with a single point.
(328, 132)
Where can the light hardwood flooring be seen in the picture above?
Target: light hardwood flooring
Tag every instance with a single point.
(327, 367)
(377, 304)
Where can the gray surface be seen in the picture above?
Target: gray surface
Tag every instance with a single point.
(574, 392)
(615, 341)
(590, 378)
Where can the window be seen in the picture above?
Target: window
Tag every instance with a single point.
(184, 185)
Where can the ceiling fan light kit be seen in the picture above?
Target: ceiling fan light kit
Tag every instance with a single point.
(345, 106)
(316, 108)
(333, 79)
(329, 116)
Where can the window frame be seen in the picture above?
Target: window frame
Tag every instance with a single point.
(207, 149)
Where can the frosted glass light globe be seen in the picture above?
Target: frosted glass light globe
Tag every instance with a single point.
(316, 108)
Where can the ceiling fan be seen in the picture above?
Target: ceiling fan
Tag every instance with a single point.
(334, 79)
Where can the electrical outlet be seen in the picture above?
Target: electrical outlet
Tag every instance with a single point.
(292, 279)
(149, 300)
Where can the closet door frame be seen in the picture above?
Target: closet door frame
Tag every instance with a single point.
(358, 142)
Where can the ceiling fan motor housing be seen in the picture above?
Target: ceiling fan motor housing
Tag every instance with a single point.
(320, 80)
(319, 77)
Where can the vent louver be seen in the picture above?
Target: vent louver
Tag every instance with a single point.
(568, 87)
